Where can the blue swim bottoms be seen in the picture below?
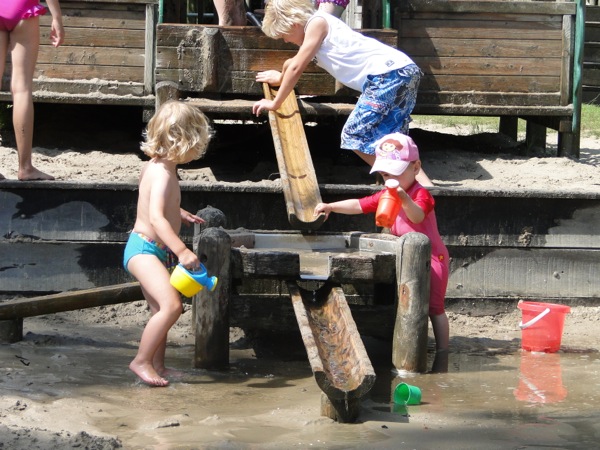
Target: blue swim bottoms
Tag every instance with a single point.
(384, 107)
(139, 244)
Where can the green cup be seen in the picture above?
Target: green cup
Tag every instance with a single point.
(406, 394)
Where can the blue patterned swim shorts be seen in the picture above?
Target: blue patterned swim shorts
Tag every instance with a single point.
(384, 107)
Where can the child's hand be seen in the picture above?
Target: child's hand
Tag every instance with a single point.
(323, 208)
(57, 33)
(272, 77)
(263, 105)
(189, 260)
(188, 218)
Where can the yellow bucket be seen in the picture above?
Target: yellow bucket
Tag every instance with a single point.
(184, 282)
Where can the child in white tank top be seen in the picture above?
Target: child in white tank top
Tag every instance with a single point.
(387, 78)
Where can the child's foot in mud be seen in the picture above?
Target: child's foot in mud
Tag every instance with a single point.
(148, 375)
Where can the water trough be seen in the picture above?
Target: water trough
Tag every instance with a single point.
(334, 347)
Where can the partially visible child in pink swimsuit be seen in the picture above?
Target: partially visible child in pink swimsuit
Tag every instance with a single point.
(334, 7)
(397, 157)
(20, 35)
(13, 11)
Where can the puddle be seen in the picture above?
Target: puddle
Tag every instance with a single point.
(485, 401)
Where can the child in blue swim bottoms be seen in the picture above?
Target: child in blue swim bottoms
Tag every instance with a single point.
(140, 244)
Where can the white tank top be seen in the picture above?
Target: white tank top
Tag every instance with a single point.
(350, 57)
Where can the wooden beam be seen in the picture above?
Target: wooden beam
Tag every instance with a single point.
(70, 301)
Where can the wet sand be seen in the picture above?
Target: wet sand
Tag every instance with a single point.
(67, 385)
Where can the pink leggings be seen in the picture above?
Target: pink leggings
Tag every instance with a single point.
(13, 11)
(439, 283)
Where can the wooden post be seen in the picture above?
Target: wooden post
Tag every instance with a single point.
(211, 315)
(535, 136)
(11, 331)
(509, 126)
(166, 90)
(413, 267)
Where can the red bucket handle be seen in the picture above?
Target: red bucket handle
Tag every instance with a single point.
(534, 320)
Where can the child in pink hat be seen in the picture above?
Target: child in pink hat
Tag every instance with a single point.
(397, 158)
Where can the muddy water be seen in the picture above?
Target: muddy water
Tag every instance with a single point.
(62, 380)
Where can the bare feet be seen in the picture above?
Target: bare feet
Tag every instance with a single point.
(147, 374)
(33, 174)
(170, 373)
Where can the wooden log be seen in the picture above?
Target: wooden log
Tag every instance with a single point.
(298, 179)
(336, 353)
(71, 300)
(211, 309)
(413, 267)
(165, 91)
(11, 331)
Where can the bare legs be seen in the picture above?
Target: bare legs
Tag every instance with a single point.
(165, 306)
(441, 332)
(231, 12)
(23, 43)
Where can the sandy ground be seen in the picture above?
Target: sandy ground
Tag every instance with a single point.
(66, 385)
(452, 157)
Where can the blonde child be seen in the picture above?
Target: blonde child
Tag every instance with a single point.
(177, 134)
(387, 78)
(20, 36)
(397, 157)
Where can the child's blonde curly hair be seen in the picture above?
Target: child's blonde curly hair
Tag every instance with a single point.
(282, 15)
(178, 132)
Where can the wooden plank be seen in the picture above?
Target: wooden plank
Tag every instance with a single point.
(489, 98)
(530, 273)
(491, 48)
(99, 19)
(119, 38)
(117, 73)
(564, 112)
(489, 16)
(464, 29)
(591, 75)
(70, 301)
(298, 179)
(566, 77)
(592, 15)
(592, 32)
(174, 35)
(591, 53)
(118, 98)
(94, 56)
(494, 84)
(265, 263)
(523, 67)
(186, 58)
(462, 7)
(242, 83)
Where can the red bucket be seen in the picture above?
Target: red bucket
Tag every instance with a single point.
(542, 326)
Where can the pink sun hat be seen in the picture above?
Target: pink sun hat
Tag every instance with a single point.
(393, 153)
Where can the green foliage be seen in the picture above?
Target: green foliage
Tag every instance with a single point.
(590, 120)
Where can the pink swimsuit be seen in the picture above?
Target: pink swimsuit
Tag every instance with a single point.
(13, 11)
(342, 3)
